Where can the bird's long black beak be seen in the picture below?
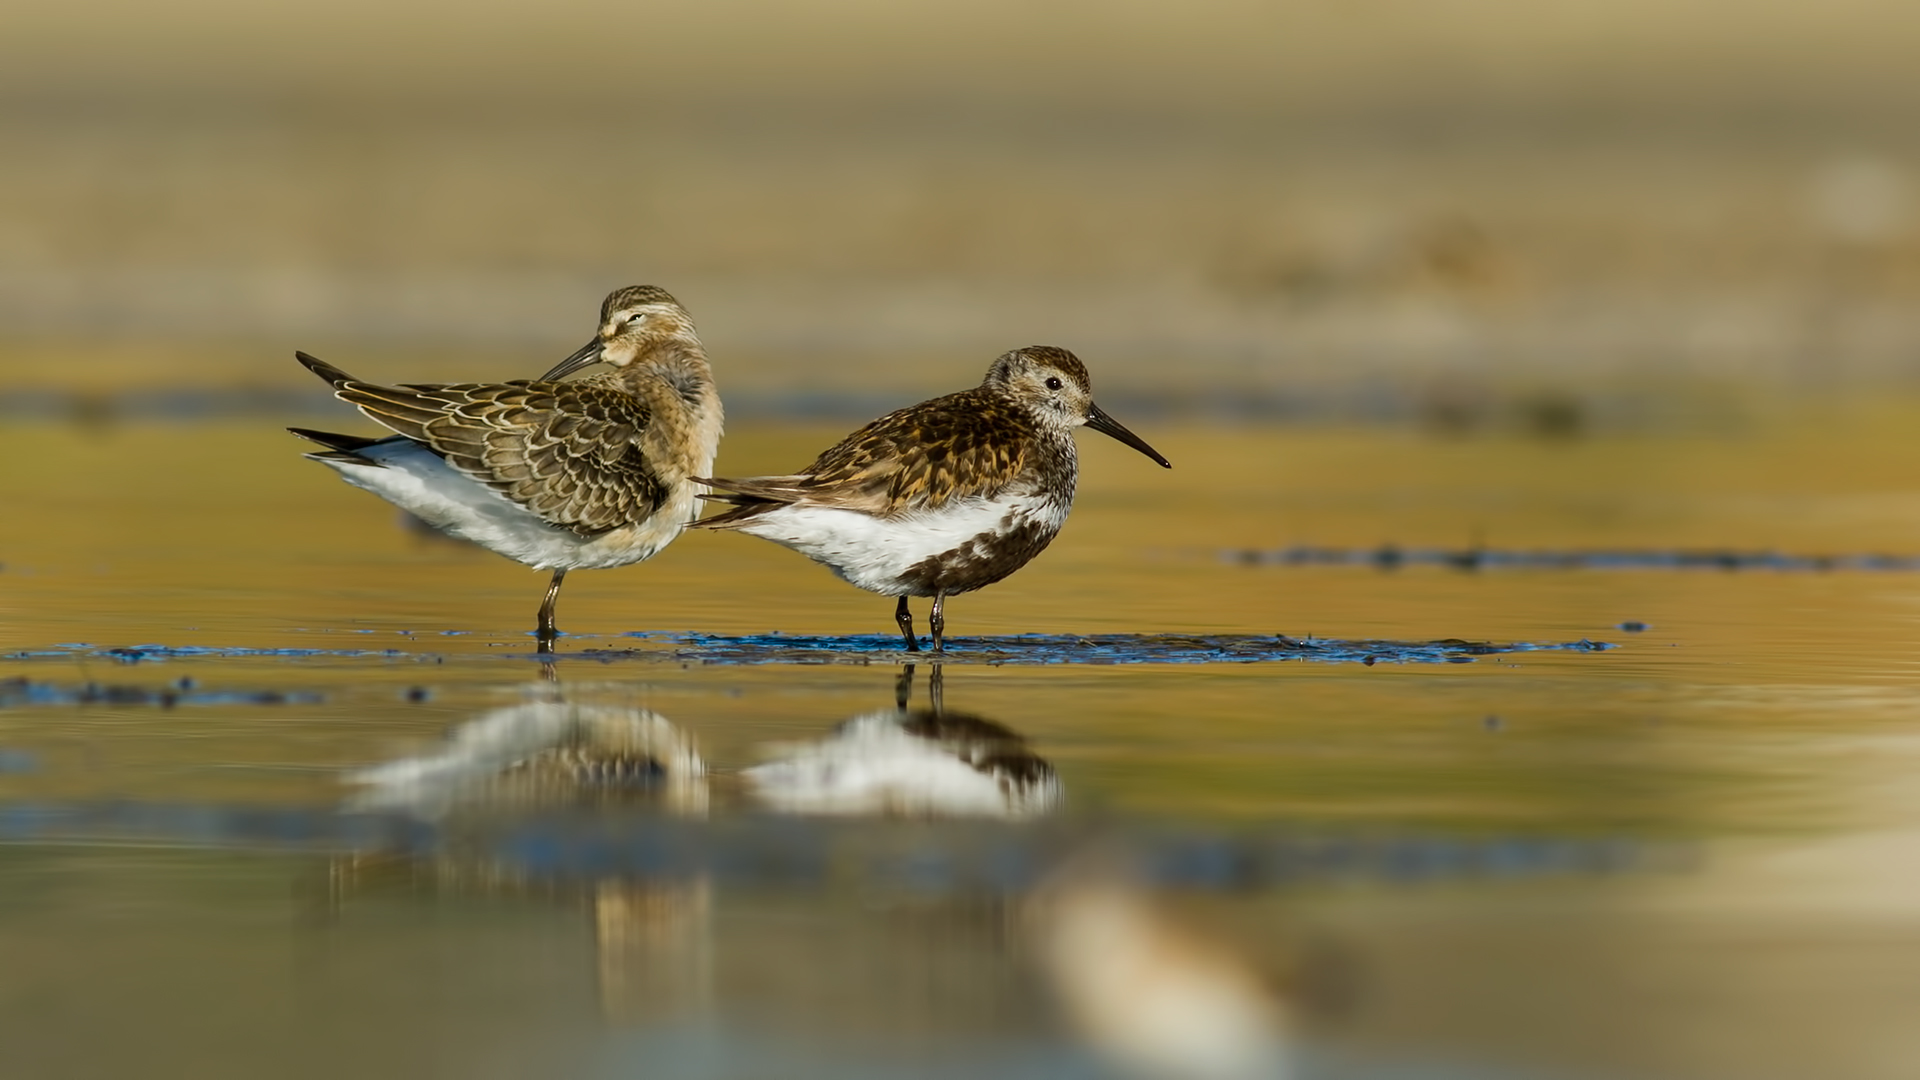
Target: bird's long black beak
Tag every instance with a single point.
(1099, 421)
(587, 356)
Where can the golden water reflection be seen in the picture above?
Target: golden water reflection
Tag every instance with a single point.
(1155, 994)
(1764, 718)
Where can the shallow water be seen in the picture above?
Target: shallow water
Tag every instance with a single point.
(1576, 814)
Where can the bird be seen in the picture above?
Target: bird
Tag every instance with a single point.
(901, 762)
(940, 498)
(591, 473)
(910, 764)
(539, 755)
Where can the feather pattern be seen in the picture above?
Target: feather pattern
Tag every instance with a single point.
(568, 451)
(969, 445)
(590, 473)
(944, 497)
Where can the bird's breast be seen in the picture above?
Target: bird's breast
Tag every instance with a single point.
(989, 555)
(684, 436)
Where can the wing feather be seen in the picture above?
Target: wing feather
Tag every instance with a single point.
(570, 451)
(966, 445)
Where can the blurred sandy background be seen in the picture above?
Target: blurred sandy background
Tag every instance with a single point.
(1364, 207)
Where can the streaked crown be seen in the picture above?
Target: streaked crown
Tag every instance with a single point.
(638, 316)
(636, 321)
(634, 297)
(1021, 365)
(1048, 382)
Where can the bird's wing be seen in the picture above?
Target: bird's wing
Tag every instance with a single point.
(568, 451)
(964, 445)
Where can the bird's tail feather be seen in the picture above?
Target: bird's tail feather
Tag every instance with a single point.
(343, 448)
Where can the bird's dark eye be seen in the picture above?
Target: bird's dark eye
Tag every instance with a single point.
(636, 318)
(1054, 383)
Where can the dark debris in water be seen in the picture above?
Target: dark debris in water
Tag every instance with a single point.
(1090, 649)
(17, 692)
(774, 648)
(1393, 557)
(153, 653)
(926, 856)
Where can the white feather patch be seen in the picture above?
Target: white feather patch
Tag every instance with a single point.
(873, 765)
(874, 552)
(420, 482)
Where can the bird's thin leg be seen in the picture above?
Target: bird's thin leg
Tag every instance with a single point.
(905, 618)
(547, 630)
(903, 688)
(938, 622)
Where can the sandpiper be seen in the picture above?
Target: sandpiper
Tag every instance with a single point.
(944, 497)
(592, 473)
(539, 755)
(918, 763)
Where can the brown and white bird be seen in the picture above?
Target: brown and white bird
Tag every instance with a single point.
(943, 497)
(588, 474)
(922, 763)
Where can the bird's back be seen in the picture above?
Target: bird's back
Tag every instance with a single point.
(970, 445)
(944, 497)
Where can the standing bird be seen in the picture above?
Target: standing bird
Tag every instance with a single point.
(593, 473)
(944, 497)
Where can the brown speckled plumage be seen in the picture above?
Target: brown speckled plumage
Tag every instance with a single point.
(971, 443)
(961, 490)
(542, 754)
(568, 451)
(914, 764)
(990, 748)
(632, 296)
(602, 465)
(982, 561)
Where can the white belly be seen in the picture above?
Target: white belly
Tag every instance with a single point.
(876, 553)
(420, 482)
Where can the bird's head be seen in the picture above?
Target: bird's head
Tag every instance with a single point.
(1054, 387)
(632, 320)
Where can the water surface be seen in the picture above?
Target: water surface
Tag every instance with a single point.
(1669, 835)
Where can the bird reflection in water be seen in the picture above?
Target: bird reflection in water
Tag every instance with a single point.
(903, 762)
(543, 755)
(1150, 990)
(652, 937)
(942, 963)
(1154, 993)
